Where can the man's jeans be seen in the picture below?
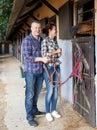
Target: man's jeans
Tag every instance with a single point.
(52, 89)
(33, 88)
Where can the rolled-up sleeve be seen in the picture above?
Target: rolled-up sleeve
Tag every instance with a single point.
(27, 49)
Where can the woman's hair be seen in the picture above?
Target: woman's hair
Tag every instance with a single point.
(48, 26)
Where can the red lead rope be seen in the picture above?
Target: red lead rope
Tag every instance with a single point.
(76, 72)
(77, 69)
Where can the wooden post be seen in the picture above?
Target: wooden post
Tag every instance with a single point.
(95, 6)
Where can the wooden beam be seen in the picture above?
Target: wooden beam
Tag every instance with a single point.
(29, 12)
(23, 18)
(27, 24)
(22, 21)
(17, 28)
(28, 4)
(18, 24)
(50, 6)
(20, 32)
(22, 29)
(33, 17)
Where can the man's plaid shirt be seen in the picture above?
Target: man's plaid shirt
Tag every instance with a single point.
(31, 48)
(48, 45)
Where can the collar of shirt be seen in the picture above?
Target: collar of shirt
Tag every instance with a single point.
(33, 38)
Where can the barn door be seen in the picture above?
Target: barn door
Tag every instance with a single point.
(84, 90)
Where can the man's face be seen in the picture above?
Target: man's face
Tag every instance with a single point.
(36, 29)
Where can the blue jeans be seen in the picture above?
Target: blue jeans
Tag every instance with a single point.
(33, 88)
(52, 90)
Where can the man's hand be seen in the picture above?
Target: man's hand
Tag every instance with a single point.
(43, 59)
(46, 59)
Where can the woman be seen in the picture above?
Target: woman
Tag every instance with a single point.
(51, 49)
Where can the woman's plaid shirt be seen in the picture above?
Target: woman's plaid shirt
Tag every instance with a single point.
(48, 45)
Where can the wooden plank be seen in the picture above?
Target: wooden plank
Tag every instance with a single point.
(50, 7)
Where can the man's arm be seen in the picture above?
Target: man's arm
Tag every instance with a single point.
(27, 53)
(42, 59)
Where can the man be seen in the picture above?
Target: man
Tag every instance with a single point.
(33, 66)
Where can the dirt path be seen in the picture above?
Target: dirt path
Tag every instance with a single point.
(12, 112)
(2, 106)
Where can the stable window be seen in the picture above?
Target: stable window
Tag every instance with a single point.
(85, 11)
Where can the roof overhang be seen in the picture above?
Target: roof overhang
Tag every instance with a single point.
(16, 9)
(21, 11)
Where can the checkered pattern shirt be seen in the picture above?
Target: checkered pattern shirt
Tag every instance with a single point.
(31, 48)
(48, 45)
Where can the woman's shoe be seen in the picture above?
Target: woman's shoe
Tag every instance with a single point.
(49, 117)
(55, 114)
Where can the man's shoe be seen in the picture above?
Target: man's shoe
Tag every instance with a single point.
(33, 123)
(40, 113)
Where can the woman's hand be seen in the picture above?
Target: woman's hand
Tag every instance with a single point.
(59, 50)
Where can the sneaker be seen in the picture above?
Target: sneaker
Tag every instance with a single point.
(33, 123)
(55, 114)
(49, 117)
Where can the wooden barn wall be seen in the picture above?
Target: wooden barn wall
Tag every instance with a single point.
(65, 20)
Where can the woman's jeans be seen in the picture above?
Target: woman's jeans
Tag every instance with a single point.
(52, 89)
(33, 88)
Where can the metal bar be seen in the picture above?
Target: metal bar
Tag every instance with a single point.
(91, 10)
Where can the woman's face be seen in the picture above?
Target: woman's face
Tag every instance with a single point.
(53, 31)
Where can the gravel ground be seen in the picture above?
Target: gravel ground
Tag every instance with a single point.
(12, 111)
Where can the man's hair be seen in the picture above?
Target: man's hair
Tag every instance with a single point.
(36, 21)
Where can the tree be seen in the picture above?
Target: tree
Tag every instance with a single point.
(5, 10)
